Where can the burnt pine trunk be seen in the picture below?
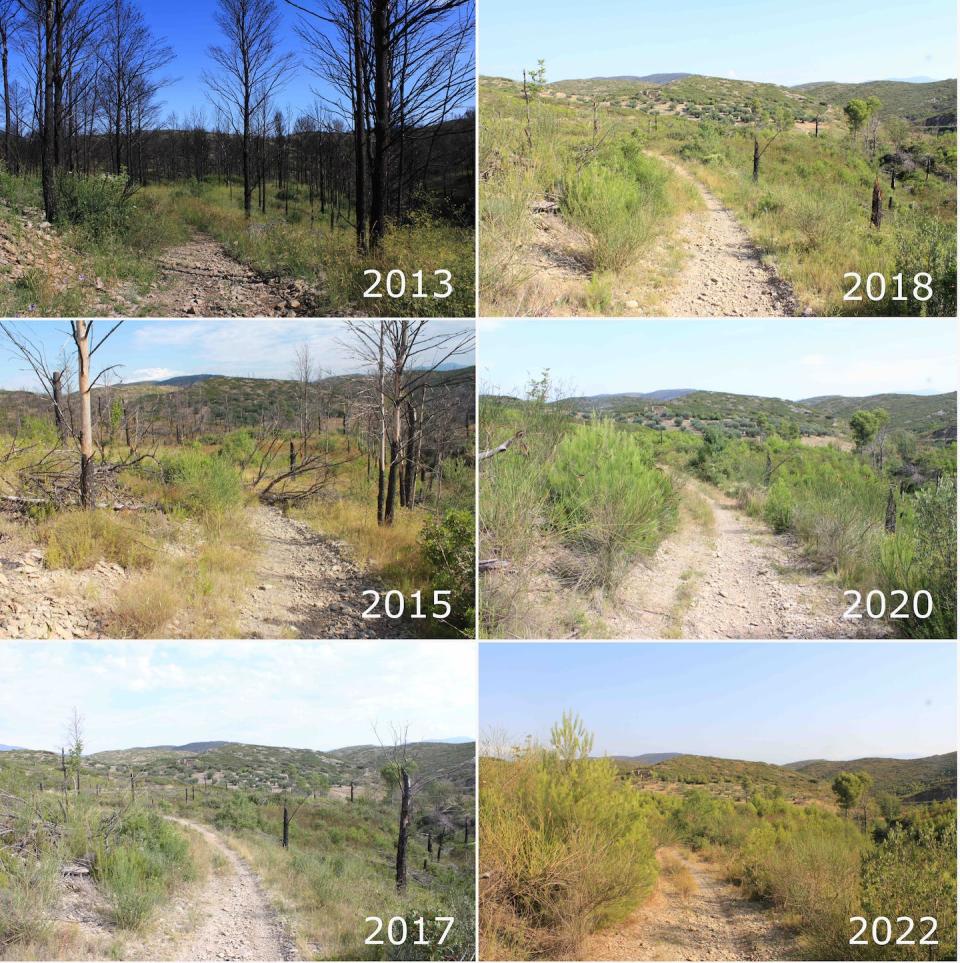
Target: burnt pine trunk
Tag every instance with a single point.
(404, 828)
(82, 340)
(7, 148)
(876, 214)
(48, 170)
(890, 522)
(756, 160)
(359, 132)
(56, 384)
(382, 84)
(381, 455)
(286, 828)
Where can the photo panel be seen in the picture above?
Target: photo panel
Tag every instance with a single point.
(148, 813)
(275, 479)
(725, 801)
(700, 479)
(238, 158)
(757, 162)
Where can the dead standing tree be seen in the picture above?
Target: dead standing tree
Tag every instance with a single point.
(409, 357)
(400, 69)
(251, 69)
(403, 772)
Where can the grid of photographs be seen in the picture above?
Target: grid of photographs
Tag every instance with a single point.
(478, 480)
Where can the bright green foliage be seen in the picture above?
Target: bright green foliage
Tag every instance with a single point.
(238, 812)
(449, 549)
(619, 198)
(913, 873)
(199, 484)
(99, 205)
(923, 556)
(857, 112)
(567, 842)
(850, 788)
(608, 498)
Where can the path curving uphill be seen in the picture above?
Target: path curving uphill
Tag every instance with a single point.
(724, 274)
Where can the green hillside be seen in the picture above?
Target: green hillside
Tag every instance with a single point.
(933, 104)
(934, 415)
(903, 777)
(920, 413)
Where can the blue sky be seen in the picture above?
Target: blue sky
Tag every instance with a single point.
(154, 350)
(316, 695)
(792, 359)
(766, 40)
(766, 701)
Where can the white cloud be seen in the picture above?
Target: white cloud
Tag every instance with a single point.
(321, 695)
(152, 374)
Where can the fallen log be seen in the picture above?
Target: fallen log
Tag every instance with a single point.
(490, 452)
(492, 564)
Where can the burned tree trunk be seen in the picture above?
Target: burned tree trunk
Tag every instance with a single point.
(286, 828)
(404, 829)
(876, 214)
(56, 385)
(890, 522)
(756, 160)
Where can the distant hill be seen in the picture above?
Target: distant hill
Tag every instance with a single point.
(932, 104)
(934, 416)
(271, 768)
(729, 100)
(919, 413)
(903, 777)
(913, 780)
(649, 758)
(4, 748)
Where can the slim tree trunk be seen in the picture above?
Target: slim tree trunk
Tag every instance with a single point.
(404, 828)
(756, 160)
(82, 340)
(56, 384)
(876, 213)
(48, 171)
(359, 131)
(382, 89)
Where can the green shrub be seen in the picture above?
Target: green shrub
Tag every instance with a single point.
(99, 204)
(566, 842)
(609, 500)
(239, 812)
(199, 484)
(448, 547)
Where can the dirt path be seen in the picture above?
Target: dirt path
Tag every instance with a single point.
(200, 279)
(705, 919)
(723, 274)
(725, 575)
(307, 587)
(236, 921)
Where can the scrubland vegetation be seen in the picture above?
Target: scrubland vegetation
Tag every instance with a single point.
(582, 169)
(117, 236)
(581, 495)
(174, 470)
(569, 842)
(337, 868)
(614, 201)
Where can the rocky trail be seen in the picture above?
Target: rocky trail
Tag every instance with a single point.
(234, 920)
(201, 279)
(725, 575)
(693, 915)
(724, 274)
(307, 587)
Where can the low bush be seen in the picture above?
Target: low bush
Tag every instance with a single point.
(79, 539)
(199, 484)
(448, 546)
(608, 499)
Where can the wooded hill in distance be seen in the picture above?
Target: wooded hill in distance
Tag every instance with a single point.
(924, 779)
(714, 98)
(933, 416)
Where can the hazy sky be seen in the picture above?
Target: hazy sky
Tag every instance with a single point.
(766, 40)
(765, 701)
(794, 359)
(311, 695)
(154, 350)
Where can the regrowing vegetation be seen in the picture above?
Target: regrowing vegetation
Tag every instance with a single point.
(107, 198)
(211, 507)
(115, 837)
(574, 844)
(591, 189)
(578, 494)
